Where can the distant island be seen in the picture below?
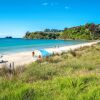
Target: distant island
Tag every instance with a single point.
(9, 37)
(89, 31)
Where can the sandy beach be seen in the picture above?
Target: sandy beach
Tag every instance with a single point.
(23, 58)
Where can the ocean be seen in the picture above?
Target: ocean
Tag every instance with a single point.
(8, 45)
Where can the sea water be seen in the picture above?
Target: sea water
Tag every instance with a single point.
(20, 45)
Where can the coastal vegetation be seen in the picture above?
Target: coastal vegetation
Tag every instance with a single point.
(88, 31)
(46, 34)
(70, 76)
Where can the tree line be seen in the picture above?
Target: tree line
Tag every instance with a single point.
(88, 31)
(46, 34)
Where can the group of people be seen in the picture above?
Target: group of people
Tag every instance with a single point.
(39, 58)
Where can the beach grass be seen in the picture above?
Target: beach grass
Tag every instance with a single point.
(71, 76)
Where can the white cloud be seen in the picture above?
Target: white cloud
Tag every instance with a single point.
(45, 4)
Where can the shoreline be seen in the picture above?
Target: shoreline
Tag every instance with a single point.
(24, 58)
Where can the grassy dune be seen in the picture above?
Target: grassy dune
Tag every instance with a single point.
(71, 76)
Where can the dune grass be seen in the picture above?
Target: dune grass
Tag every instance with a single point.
(71, 76)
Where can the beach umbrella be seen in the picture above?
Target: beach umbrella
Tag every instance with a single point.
(36, 53)
(44, 53)
(41, 52)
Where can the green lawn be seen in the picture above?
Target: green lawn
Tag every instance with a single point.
(71, 76)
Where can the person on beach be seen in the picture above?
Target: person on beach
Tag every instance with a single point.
(33, 54)
(39, 58)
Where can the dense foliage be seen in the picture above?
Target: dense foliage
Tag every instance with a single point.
(46, 34)
(87, 31)
(70, 76)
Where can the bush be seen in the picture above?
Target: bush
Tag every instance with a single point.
(37, 71)
(59, 77)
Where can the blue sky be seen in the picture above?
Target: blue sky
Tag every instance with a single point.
(19, 16)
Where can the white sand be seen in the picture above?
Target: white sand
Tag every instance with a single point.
(23, 58)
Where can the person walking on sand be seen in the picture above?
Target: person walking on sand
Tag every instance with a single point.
(39, 58)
